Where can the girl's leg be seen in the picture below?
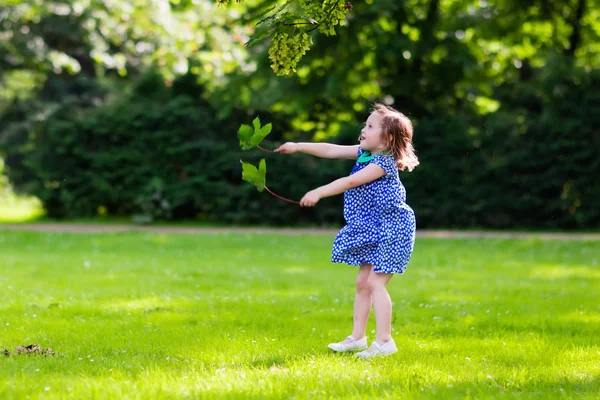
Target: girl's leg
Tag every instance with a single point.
(382, 305)
(362, 303)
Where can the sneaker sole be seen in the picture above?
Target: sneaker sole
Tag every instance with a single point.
(348, 350)
(378, 355)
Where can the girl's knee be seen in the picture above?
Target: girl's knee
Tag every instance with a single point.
(362, 278)
(362, 284)
(375, 283)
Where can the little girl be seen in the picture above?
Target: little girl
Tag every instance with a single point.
(380, 232)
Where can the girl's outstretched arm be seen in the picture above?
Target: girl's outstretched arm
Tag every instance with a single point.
(369, 173)
(323, 150)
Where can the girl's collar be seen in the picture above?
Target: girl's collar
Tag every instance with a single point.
(366, 156)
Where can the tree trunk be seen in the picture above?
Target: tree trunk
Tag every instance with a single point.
(427, 30)
(575, 38)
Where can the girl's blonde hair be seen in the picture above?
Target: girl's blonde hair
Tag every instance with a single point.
(399, 127)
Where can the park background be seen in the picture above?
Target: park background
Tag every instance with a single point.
(120, 113)
(117, 109)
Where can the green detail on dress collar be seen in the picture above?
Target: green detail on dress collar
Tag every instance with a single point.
(366, 156)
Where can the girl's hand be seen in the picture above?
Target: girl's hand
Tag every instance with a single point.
(310, 199)
(287, 148)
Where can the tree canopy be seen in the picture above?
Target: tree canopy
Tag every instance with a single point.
(500, 92)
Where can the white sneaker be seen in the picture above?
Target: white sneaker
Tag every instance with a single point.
(360, 344)
(378, 350)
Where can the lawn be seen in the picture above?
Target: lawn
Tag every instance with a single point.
(140, 316)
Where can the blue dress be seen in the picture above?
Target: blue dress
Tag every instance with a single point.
(380, 226)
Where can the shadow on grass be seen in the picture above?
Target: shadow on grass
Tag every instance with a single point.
(342, 387)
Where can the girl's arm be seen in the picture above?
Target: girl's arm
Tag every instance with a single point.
(323, 150)
(369, 173)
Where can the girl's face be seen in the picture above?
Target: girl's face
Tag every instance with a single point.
(370, 137)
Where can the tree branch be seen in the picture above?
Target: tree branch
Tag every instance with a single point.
(575, 38)
(427, 28)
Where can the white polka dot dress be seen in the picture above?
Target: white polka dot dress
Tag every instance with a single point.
(380, 226)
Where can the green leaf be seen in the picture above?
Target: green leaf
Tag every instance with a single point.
(251, 42)
(261, 32)
(261, 134)
(274, 15)
(256, 176)
(256, 124)
(309, 19)
(267, 18)
(262, 170)
(245, 136)
(252, 136)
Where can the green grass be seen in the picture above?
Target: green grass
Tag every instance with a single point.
(145, 316)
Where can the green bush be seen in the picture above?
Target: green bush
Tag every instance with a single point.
(534, 163)
(162, 151)
(159, 151)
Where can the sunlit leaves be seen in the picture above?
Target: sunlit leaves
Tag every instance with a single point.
(286, 50)
(289, 25)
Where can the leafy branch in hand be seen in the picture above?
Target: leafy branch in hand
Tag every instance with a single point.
(250, 137)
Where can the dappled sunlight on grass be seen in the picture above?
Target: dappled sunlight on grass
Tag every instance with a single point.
(148, 304)
(295, 270)
(283, 378)
(159, 239)
(221, 317)
(554, 272)
(584, 317)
